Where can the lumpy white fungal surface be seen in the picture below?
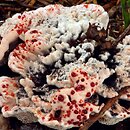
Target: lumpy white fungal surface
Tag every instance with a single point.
(59, 75)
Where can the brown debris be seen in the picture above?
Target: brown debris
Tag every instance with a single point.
(110, 44)
(112, 11)
(109, 5)
(110, 102)
(94, 33)
(32, 2)
(126, 31)
(4, 123)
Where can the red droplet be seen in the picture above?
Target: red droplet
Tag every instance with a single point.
(23, 57)
(68, 104)
(96, 83)
(23, 45)
(30, 22)
(74, 102)
(86, 5)
(12, 94)
(19, 17)
(76, 112)
(72, 92)
(4, 86)
(79, 117)
(92, 84)
(81, 105)
(73, 74)
(51, 117)
(6, 93)
(84, 73)
(34, 40)
(80, 87)
(71, 107)
(91, 109)
(19, 31)
(69, 122)
(88, 94)
(43, 118)
(84, 111)
(72, 120)
(68, 113)
(61, 98)
(6, 108)
(34, 31)
(23, 16)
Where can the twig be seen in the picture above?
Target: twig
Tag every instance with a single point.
(109, 44)
(80, 2)
(45, 2)
(10, 9)
(110, 102)
(126, 31)
(113, 10)
(24, 4)
(32, 2)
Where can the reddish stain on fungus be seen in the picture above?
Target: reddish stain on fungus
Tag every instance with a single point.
(84, 73)
(4, 86)
(34, 40)
(74, 102)
(91, 109)
(72, 92)
(88, 94)
(80, 87)
(43, 118)
(71, 107)
(76, 112)
(68, 104)
(34, 31)
(6, 108)
(61, 98)
(73, 74)
(84, 111)
(69, 122)
(86, 5)
(79, 117)
(92, 84)
(12, 94)
(19, 17)
(68, 113)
